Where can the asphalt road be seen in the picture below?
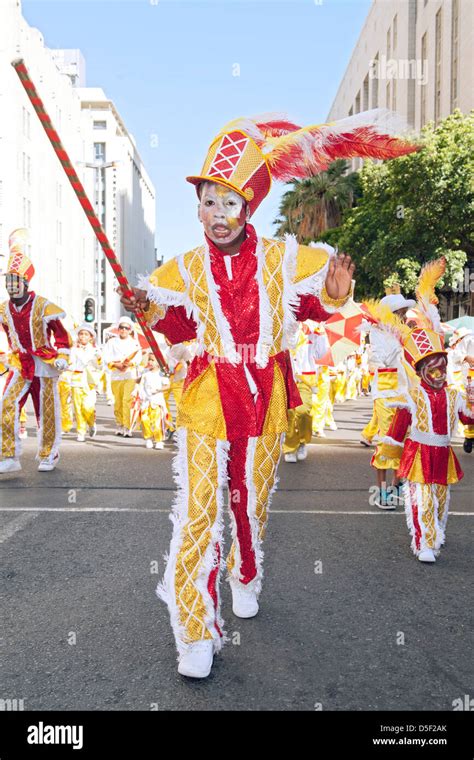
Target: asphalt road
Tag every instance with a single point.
(349, 619)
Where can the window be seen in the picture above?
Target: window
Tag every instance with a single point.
(387, 95)
(394, 95)
(28, 170)
(99, 151)
(59, 195)
(59, 233)
(389, 45)
(395, 32)
(365, 97)
(424, 53)
(100, 125)
(438, 66)
(357, 103)
(351, 111)
(375, 83)
(455, 55)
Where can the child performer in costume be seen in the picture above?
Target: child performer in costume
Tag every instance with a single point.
(299, 419)
(153, 410)
(420, 434)
(122, 355)
(85, 366)
(31, 323)
(390, 380)
(242, 296)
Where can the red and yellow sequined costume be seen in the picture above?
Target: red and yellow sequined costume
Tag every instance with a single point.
(418, 439)
(425, 458)
(233, 411)
(243, 310)
(31, 330)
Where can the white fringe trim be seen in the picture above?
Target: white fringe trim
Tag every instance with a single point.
(166, 588)
(265, 338)
(292, 291)
(179, 516)
(160, 296)
(223, 327)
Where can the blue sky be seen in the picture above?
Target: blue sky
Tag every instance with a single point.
(169, 66)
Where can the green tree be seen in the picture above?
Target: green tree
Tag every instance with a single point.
(317, 204)
(414, 209)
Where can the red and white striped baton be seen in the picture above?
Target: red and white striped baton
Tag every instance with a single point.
(25, 79)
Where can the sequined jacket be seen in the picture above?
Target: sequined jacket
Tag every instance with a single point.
(34, 330)
(420, 434)
(244, 315)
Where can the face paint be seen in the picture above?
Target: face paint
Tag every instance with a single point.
(15, 285)
(433, 371)
(222, 212)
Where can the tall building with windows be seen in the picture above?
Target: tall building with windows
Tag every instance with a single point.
(415, 57)
(34, 191)
(122, 192)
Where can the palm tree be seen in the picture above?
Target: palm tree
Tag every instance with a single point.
(316, 204)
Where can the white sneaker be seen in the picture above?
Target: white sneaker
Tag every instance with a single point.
(149, 443)
(48, 464)
(159, 445)
(81, 438)
(291, 457)
(319, 433)
(196, 662)
(126, 433)
(10, 465)
(244, 600)
(93, 431)
(332, 426)
(365, 441)
(119, 431)
(302, 453)
(427, 555)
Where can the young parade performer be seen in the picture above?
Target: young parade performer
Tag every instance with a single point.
(31, 323)
(242, 297)
(85, 365)
(419, 437)
(153, 410)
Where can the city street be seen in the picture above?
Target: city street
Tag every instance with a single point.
(349, 619)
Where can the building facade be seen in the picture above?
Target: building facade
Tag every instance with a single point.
(35, 192)
(415, 57)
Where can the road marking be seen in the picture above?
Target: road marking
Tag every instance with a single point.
(17, 524)
(166, 511)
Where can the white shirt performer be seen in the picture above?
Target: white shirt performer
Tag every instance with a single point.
(122, 356)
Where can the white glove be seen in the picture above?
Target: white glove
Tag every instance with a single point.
(61, 364)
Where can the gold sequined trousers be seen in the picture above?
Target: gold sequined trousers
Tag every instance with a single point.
(45, 396)
(203, 468)
(426, 509)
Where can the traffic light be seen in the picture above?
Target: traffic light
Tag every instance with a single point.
(89, 309)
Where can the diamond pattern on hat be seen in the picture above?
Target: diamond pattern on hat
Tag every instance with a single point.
(228, 156)
(422, 341)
